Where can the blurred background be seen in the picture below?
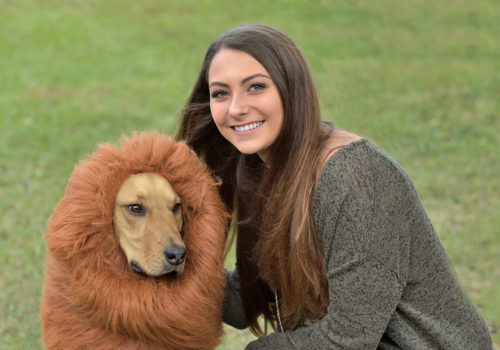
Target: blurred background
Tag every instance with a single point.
(419, 78)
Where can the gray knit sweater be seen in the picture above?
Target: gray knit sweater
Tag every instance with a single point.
(391, 285)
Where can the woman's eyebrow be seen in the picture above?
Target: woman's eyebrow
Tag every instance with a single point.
(218, 83)
(254, 76)
(250, 77)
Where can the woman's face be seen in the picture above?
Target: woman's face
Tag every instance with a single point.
(245, 104)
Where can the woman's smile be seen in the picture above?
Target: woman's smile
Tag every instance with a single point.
(247, 128)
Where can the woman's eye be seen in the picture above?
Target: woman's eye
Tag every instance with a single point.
(257, 87)
(136, 209)
(219, 94)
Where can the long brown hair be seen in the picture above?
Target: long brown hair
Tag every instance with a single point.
(277, 244)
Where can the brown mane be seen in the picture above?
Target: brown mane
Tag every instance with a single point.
(92, 299)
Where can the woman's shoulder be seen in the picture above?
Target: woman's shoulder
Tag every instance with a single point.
(360, 161)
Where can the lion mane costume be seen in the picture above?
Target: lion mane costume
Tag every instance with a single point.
(92, 299)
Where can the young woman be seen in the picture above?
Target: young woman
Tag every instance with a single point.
(334, 248)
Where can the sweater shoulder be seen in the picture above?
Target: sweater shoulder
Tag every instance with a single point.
(358, 161)
(363, 200)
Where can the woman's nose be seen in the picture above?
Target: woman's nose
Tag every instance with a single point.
(239, 106)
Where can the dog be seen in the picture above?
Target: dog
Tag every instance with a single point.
(135, 251)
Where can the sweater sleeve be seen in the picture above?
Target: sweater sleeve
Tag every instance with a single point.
(233, 312)
(361, 213)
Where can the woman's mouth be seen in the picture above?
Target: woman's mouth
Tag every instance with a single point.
(246, 128)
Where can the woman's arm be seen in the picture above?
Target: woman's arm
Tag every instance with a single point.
(363, 298)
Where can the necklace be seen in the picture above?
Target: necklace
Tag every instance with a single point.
(276, 303)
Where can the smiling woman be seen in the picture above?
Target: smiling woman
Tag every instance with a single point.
(330, 230)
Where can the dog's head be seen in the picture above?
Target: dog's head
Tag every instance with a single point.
(148, 221)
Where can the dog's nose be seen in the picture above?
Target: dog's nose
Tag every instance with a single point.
(175, 254)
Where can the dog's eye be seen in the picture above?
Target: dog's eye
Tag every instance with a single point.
(176, 208)
(136, 209)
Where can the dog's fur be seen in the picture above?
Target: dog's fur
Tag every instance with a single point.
(92, 299)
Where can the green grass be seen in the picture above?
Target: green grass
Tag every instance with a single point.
(420, 78)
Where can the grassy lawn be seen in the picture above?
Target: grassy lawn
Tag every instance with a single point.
(420, 78)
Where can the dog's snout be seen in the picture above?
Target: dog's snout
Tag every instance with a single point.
(175, 254)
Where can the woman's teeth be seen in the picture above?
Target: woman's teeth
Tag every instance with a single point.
(247, 127)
